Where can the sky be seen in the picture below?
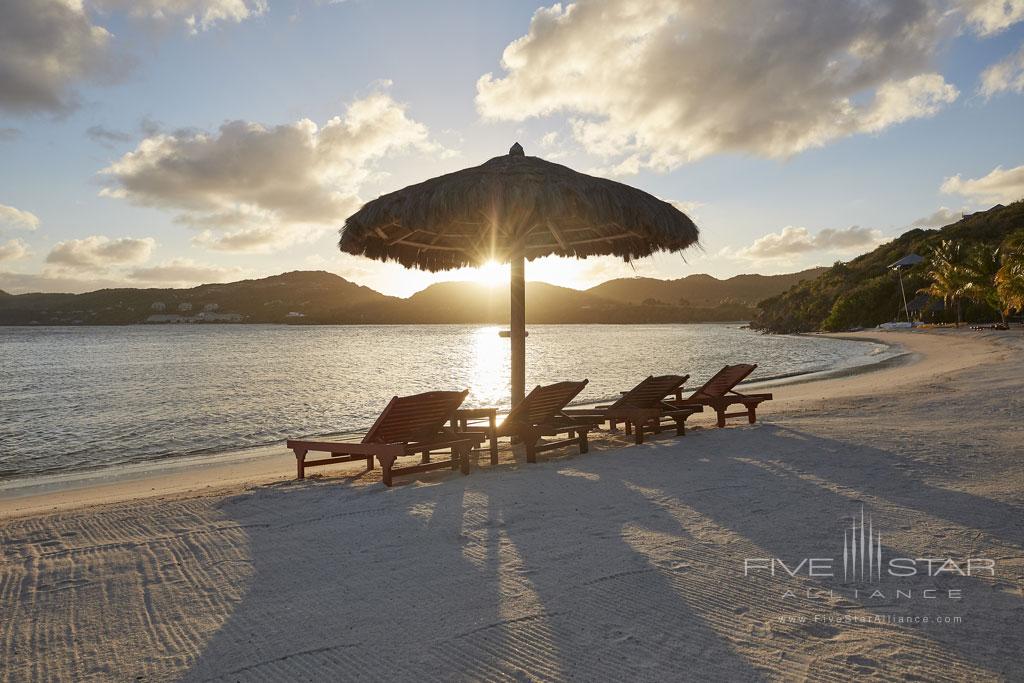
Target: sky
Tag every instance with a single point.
(167, 143)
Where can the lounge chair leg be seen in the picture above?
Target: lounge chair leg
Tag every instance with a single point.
(493, 437)
(751, 415)
(639, 433)
(531, 451)
(385, 466)
(425, 457)
(629, 427)
(681, 427)
(584, 444)
(613, 426)
(464, 460)
(369, 463)
(721, 417)
(300, 462)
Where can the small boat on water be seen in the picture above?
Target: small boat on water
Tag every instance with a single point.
(505, 334)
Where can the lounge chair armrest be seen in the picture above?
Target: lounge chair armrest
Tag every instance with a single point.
(463, 439)
(346, 448)
(692, 407)
(634, 414)
(581, 419)
(581, 412)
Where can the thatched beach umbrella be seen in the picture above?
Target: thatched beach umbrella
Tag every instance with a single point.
(513, 208)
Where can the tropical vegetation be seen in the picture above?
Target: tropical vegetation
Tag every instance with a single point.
(973, 268)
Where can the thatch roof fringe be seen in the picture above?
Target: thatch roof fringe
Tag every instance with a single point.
(478, 214)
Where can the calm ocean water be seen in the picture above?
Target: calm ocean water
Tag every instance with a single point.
(85, 397)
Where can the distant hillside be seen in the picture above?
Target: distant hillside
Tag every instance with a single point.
(864, 292)
(324, 298)
(701, 290)
(319, 295)
(473, 302)
(467, 302)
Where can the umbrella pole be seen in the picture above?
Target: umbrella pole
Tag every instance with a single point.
(517, 326)
(906, 309)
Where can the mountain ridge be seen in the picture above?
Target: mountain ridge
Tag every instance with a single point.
(321, 297)
(701, 289)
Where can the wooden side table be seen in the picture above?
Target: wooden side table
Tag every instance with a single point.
(461, 423)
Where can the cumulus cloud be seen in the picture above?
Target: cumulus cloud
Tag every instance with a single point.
(48, 45)
(660, 83)
(940, 218)
(183, 272)
(198, 15)
(51, 46)
(794, 240)
(249, 187)
(12, 250)
(173, 273)
(999, 186)
(98, 253)
(1007, 75)
(17, 218)
(992, 16)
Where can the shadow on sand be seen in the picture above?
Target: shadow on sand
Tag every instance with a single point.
(618, 565)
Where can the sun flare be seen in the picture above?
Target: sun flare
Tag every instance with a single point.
(490, 273)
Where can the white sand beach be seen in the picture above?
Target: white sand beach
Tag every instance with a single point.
(623, 564)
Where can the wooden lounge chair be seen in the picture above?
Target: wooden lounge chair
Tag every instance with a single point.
(644, 407)
(719, 393)
(540, 414)
(408, 425)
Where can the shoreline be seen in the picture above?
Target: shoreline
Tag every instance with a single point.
(261, 463)
(229, 471)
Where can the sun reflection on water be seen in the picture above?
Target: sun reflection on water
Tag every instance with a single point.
(491, 367)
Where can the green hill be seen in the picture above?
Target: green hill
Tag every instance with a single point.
(864, 292)
(701, 290)
(317, 295)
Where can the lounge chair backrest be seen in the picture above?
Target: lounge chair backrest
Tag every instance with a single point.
(541, 404)
(724, 381)
(415, 418)
(651, 391)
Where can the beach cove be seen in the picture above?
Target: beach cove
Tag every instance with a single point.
(628, 562)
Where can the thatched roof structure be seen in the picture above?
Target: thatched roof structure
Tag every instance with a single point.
(514, 203)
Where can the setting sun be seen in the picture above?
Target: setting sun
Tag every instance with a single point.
(491, 274)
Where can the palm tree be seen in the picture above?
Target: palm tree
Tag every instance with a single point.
(948, 275)
(1010, 276)
(979, 271)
